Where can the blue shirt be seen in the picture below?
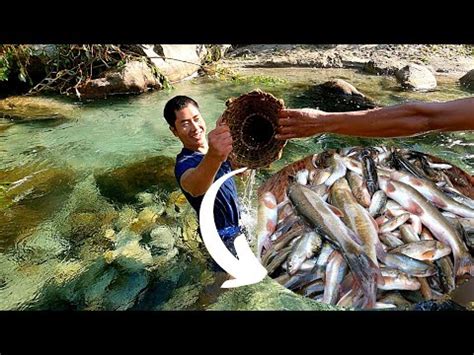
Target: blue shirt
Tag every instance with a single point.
(226, 205)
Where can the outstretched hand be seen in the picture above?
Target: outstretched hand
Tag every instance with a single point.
(299, 123)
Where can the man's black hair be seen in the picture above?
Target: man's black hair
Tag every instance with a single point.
(175, 104)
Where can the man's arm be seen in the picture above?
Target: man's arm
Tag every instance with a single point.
(196, 181)
(394, 121)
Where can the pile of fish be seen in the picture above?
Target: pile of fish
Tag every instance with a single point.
(368, 228)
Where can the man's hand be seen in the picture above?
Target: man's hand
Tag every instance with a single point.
(299, 123)
(220, 141)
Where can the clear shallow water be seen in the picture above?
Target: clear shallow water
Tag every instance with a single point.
(123, 130)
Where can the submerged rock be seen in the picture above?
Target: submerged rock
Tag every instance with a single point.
(24, 285)
(176, 204)
(339, 96)
(145, 221)
(29, 195)
(124, 183)
(25, 109)
(123, 292)
(266, 295)
(162, 239)
(131, 257)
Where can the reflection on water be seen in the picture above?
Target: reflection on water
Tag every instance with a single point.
(86, 262)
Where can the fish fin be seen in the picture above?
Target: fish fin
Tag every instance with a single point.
(376, 226)
(365, 274)
(439, 203)
(428, 255)
(381, 253)
(415, 208)
(283, 203)
(464, 265)
(336, 210)
(390, 187)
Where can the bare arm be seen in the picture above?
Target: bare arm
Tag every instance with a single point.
(394, 121)
(196, 181)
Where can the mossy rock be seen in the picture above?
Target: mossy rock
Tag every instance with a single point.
(29, 195)
(26, 109)
(85, 225)
(176, 204)
(182, 298)
(124, 183)
(266, 295)
(145, 221)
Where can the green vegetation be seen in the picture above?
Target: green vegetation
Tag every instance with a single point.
(226, 74)
(75, 64)
(14, 59)
(69, 66)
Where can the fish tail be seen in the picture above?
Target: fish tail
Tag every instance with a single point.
(366, 274)
(464, 265)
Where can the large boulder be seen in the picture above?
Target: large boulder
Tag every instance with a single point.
(176, 61)
(338, 96)
(134, 78)
(383, 66)
(467, 81)
(416, 77)
(25, 109)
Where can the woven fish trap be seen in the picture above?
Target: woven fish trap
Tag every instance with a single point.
(253, 121)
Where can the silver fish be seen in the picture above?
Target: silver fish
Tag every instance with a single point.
(429, 190)
(267, 221)
(397, 280)
(408, 265)
(377, 204)
(394, 223)
(424, 250)
(335, 272)
(356, 217)
(321, 216)
(304, 249)
(359, 189)
(415, 203)
(338, 169)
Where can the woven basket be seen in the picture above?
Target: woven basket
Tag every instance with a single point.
(253, 120)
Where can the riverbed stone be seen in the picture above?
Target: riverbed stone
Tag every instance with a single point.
(416, 77)
(338, 95)
(467, 80)
(124, 183)
(27, 109)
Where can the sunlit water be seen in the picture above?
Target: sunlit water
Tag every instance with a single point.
(122, 130)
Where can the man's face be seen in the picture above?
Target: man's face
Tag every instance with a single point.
(190, 127)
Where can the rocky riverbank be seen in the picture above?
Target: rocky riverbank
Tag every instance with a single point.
(454, 60)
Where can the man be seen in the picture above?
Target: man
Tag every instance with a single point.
(391, 121)
(202, 161)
